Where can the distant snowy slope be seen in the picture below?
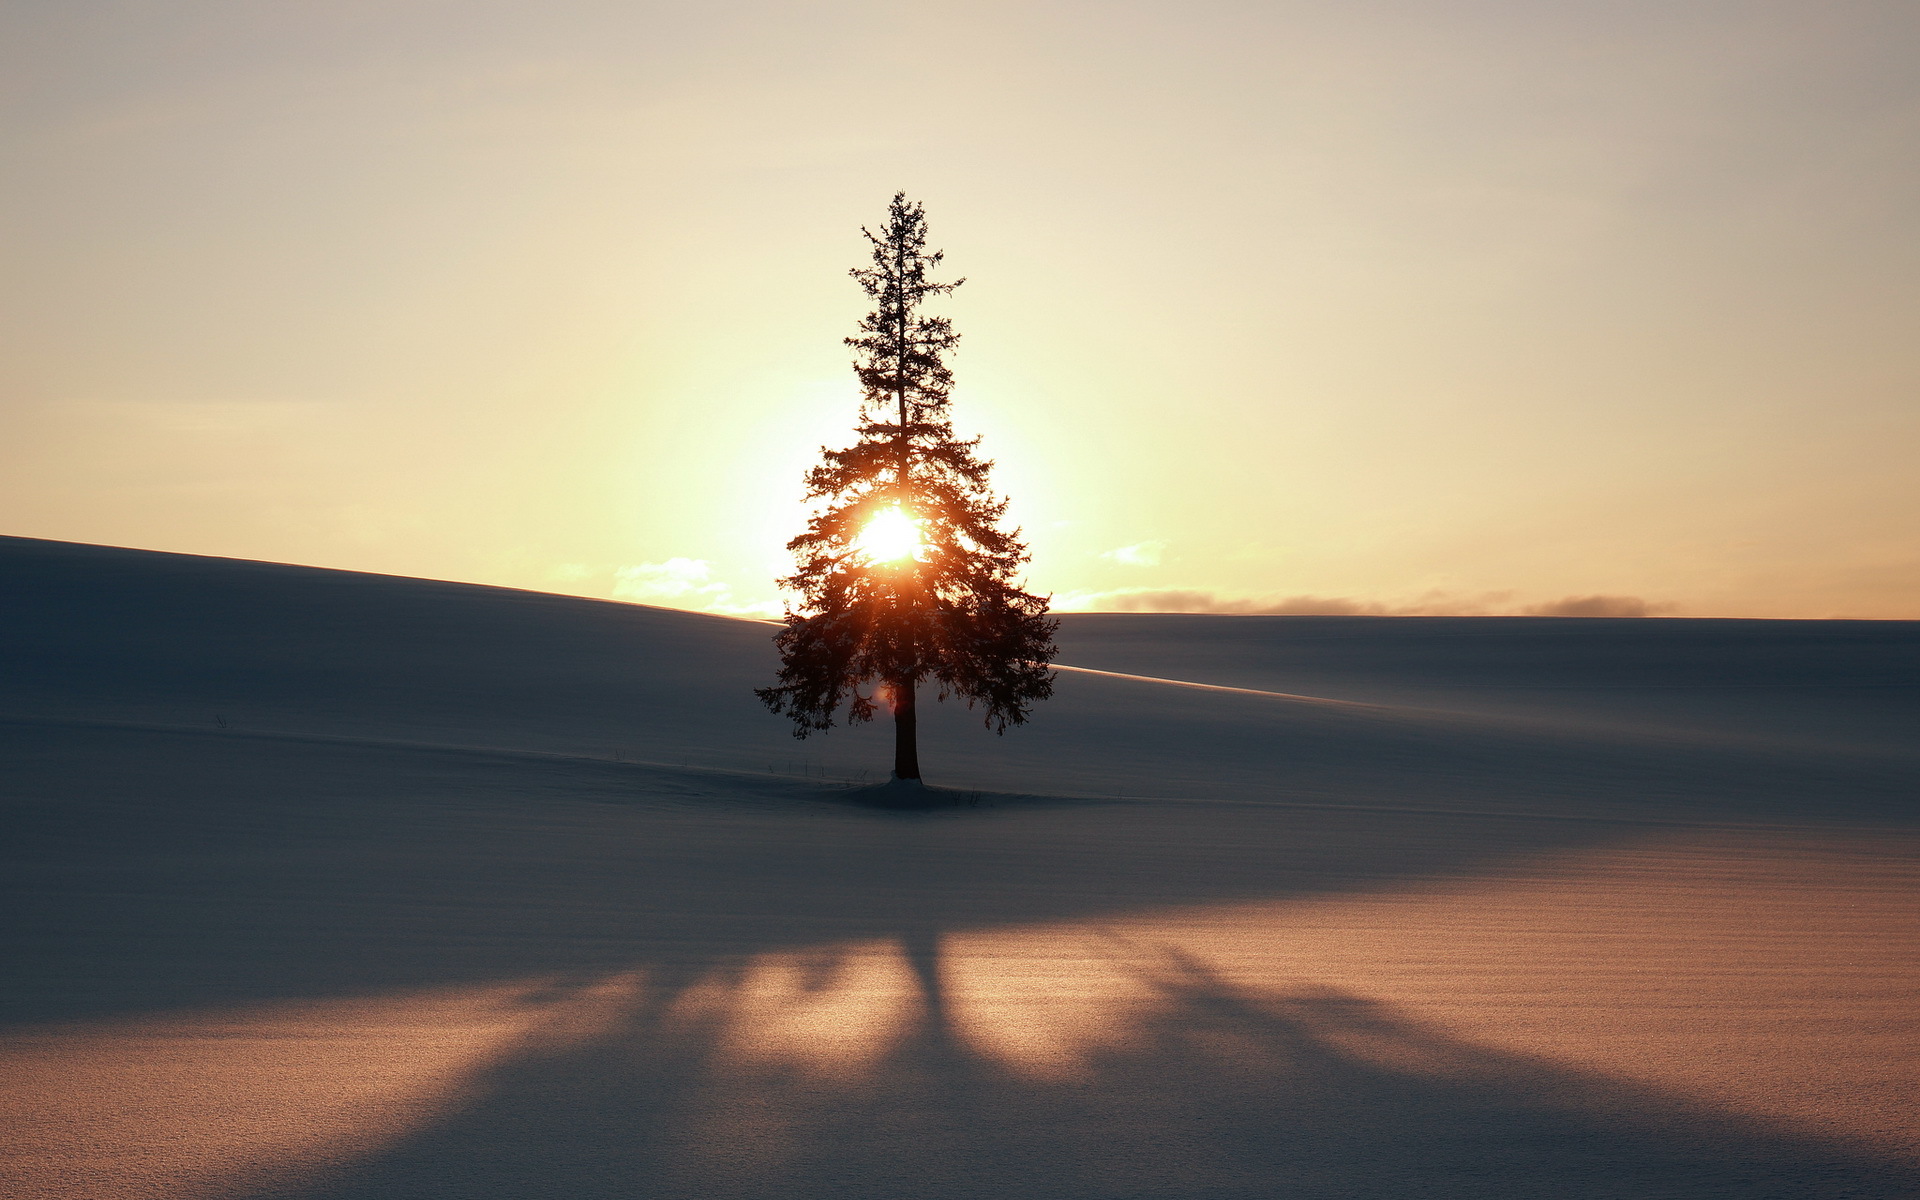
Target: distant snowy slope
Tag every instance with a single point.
(178, 639)
(1855, 683)
(243, 648)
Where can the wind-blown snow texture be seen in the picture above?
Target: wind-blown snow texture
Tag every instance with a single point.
(330, 886)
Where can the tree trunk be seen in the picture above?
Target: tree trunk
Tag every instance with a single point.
(906, 743)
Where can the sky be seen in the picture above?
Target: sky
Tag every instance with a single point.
(1388, 306)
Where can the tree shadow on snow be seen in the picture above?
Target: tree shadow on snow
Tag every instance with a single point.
(164, 872)
(1204, 1089)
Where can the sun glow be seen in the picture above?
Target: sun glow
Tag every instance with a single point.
(891, 536)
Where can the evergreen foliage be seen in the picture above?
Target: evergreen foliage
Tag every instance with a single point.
(951, 611)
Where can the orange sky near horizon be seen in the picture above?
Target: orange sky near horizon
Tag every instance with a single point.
(1396, 306)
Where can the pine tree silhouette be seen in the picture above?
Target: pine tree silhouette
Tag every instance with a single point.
(903, 574)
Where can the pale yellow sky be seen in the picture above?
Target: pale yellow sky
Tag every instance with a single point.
(1401, 306)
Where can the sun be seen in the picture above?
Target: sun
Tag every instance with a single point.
(891, 536)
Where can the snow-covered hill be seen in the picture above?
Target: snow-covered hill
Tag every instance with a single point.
(333, 885)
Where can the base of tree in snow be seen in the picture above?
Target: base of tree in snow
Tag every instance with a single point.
(908, 793)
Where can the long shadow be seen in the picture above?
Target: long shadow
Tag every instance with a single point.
(157, 872)
(1206, 1089)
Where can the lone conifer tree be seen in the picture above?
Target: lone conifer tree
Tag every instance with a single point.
(903, 573)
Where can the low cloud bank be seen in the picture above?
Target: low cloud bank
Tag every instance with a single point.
(1431, 604)
(1598, 606)
(685, 583)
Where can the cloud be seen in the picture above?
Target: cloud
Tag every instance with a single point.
(684, 583)
(1181, 600)
(674, 579)
(1429, 604)
(1188, 600)
(1598, 606)
(1140, 554)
